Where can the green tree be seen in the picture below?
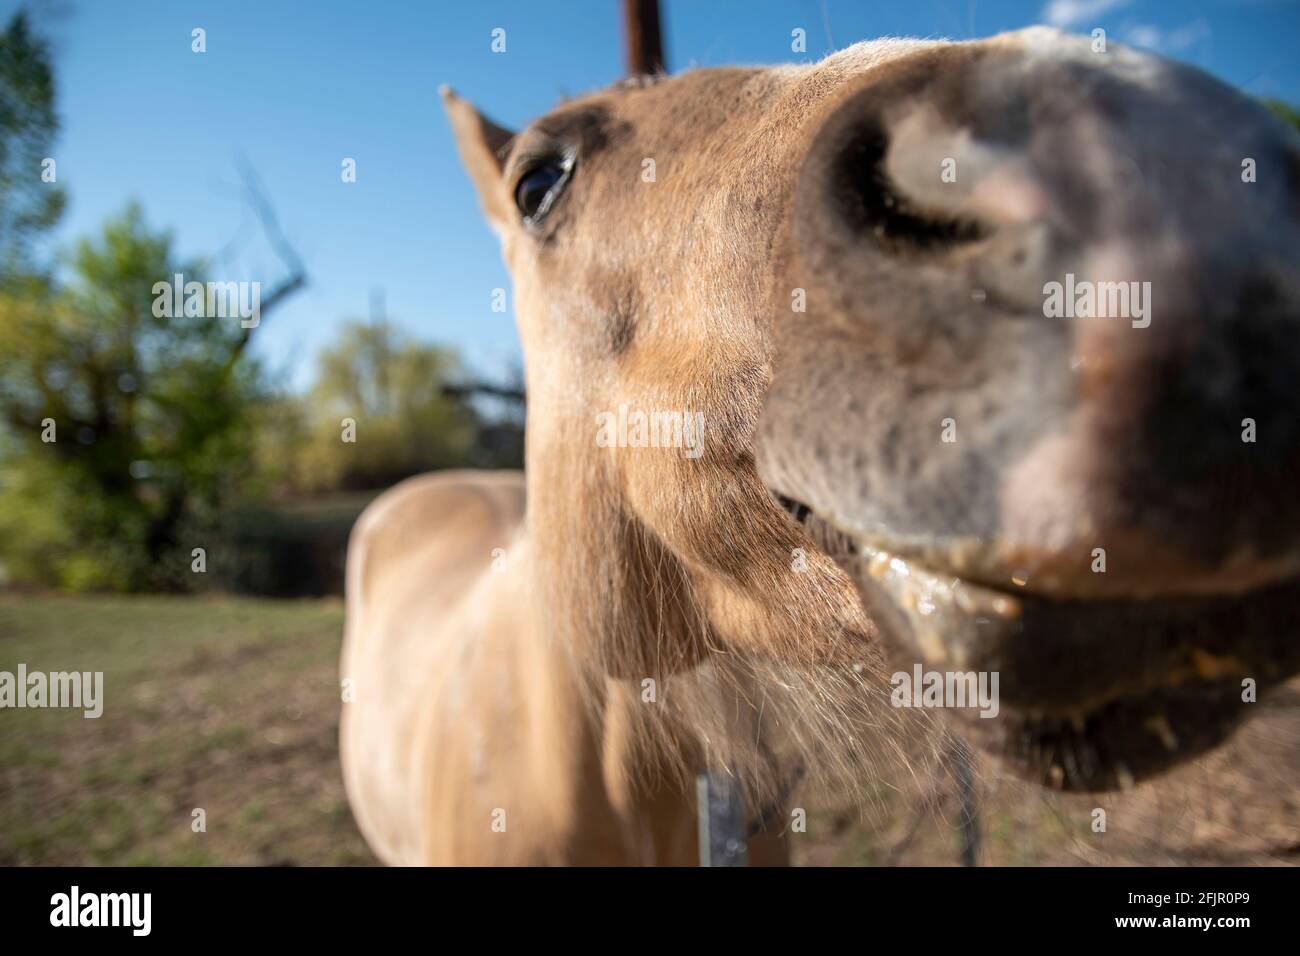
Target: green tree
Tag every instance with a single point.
(391, 388)
(29, 203)
(152, 418)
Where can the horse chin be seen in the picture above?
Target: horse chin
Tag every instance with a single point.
(1090, 693)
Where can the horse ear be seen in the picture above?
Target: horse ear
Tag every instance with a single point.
(483, 147)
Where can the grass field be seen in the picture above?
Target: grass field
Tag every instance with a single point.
(224, 705)
(230, 705)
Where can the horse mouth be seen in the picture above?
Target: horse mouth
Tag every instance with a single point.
(1091, 693)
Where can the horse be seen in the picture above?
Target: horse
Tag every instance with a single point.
(925, 361)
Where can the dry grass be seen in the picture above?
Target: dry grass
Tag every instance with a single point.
(228, 705)
(231, 705)
(1238, 806)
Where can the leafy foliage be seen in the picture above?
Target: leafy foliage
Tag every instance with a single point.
(392, 388)
(151, 418)
(28, 125)
(127, 438)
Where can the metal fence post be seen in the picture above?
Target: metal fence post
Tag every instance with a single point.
(721, 812)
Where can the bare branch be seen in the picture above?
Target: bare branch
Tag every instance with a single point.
(255, 193)
(484, 388)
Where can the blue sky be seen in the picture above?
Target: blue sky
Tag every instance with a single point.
(297, 85)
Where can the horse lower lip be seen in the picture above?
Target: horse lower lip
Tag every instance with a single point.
(1092, 695)
(1064, 657)
(944, 616)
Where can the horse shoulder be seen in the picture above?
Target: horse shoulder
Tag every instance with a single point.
(421, 560)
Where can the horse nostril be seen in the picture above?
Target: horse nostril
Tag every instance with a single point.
(871, 202)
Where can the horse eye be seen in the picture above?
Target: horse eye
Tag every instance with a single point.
(539, 188)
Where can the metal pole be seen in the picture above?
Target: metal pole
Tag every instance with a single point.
(721, 815)
(964, 769)
(645, 47)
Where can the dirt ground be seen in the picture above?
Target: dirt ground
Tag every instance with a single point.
(230, 706)
(1239, 806)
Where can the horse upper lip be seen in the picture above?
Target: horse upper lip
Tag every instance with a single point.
(1019, 572)
(997, 565)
